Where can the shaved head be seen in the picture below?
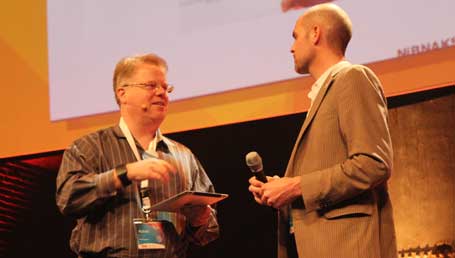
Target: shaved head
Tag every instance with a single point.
(333, 20)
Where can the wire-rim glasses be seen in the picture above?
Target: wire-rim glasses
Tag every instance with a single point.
(151, 86)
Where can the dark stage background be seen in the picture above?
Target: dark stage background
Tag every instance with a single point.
(422, 126)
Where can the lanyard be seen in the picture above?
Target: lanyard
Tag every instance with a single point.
(142, 192)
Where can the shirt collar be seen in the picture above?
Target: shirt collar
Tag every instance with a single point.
(321, 80)
(159, 141)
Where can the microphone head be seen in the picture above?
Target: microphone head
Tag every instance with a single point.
(254, 161)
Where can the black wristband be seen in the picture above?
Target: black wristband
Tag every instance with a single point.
(122, 175)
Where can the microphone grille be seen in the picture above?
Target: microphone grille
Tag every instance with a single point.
(254, 161)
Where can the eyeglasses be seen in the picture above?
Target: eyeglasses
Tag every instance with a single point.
(151, 86)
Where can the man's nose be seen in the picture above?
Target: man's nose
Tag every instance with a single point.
(160, 90)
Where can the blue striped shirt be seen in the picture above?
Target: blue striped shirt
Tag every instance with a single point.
(86, 191)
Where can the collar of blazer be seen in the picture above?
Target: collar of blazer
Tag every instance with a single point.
(311, 113)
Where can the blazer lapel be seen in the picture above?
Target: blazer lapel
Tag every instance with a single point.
(314, 109)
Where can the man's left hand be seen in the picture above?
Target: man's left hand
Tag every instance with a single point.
(197, 215)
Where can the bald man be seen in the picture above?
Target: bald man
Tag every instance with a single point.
(333, 199)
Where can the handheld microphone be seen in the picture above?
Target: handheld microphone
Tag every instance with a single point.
(254, 162)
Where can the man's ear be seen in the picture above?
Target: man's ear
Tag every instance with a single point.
(120, 92)
(315, 34)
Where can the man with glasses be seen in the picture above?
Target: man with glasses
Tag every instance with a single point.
(108, 179)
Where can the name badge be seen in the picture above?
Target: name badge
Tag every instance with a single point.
(149, 234)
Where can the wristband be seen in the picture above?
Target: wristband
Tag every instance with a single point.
(121, 172)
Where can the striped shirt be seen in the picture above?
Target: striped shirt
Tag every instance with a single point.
(86, 191)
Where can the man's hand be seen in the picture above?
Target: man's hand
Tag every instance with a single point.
(277, 192)
(197, 215)
(155, 169)
(287, 5)
(256, 188)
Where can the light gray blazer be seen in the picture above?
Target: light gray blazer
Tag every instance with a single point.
(344, 155)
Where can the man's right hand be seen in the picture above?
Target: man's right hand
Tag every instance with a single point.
(154, 169)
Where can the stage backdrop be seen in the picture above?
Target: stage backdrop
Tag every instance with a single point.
(422, 186)
(26, 124)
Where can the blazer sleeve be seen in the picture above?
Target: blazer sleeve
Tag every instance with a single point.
(363, 127)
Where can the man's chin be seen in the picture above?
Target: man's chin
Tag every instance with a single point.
(156, 119)
(157, 114)
(301, 70)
